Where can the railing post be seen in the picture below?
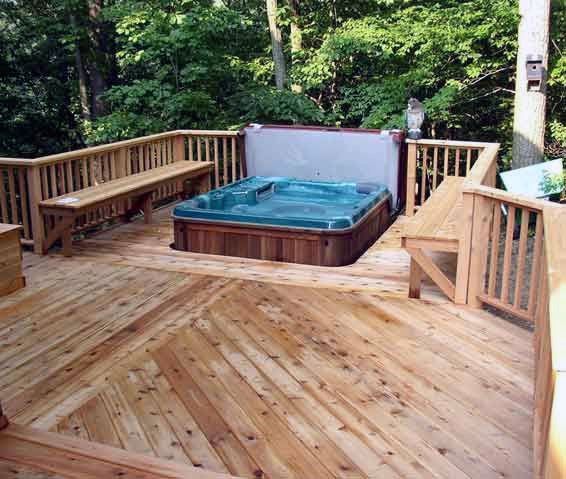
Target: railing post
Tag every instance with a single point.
(121, 170)
(35, 196)
(464, 249)
(179, 148)
(411, 179)
(482, 214)
(242, 148)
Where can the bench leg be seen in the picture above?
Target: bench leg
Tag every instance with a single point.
(147, 206)
(67, 240)
(428, 267)
(203, 184)
(62, 229)
(415, 279)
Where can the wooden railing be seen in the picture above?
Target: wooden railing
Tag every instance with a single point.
(430, 161)
(511, 257)
(517, 264)
(24, 183)
(506, 250)
(226, 151)
(549, 439)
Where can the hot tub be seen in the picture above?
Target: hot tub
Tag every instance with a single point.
(283, 219)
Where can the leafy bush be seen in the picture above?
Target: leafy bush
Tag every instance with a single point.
(265, 105)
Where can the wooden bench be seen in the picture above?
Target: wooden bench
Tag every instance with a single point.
(11, 276)
(140, 187)
(437, 226)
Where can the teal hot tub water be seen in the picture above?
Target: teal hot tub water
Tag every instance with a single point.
(286, 202)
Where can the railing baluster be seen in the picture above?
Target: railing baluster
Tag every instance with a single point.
(424, 167)
(3, 198)
(535, 265)
(69, 174)
(158, 161)
(507, 254)
(435, 168)
(234, 171)
(53, 177)
(521, 259)
(494, 258)
(225, 159)
(190, 142)
(60, 178)
(92, 170)
(216, 165)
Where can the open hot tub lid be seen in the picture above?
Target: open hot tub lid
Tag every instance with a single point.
(285, 202)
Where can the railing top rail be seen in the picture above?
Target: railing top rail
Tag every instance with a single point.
(511, 198)
(555, 249)
(451, 143)
(46, 160)
(486, 160)
(16, 162)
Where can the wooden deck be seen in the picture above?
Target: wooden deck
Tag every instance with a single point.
(261, 369)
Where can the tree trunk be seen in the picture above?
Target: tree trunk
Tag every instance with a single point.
(98, 84)
(276, 44)
(296, 37)
(530, 105)
(83, 89)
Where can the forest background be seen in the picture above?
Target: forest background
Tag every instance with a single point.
(83, 72)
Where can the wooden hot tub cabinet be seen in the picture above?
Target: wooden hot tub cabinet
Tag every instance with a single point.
(275, 243)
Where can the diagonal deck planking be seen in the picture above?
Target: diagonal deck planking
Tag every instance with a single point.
(263, 378)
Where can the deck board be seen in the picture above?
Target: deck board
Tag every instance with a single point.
(259, 369)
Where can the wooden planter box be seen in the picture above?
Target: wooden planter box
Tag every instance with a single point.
(274, 243)
(11, 276)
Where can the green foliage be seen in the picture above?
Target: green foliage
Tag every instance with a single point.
(36, 93)
(558, 132)
(441, 53)
(268, 105)
(553, 183)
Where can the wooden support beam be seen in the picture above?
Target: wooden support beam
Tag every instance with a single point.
(415, 279)
(433, 272)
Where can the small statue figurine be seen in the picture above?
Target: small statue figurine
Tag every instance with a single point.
(414, 117)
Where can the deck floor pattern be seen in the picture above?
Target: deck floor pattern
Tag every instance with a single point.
(262, 378)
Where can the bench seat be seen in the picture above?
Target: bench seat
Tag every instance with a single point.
(139, 187)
